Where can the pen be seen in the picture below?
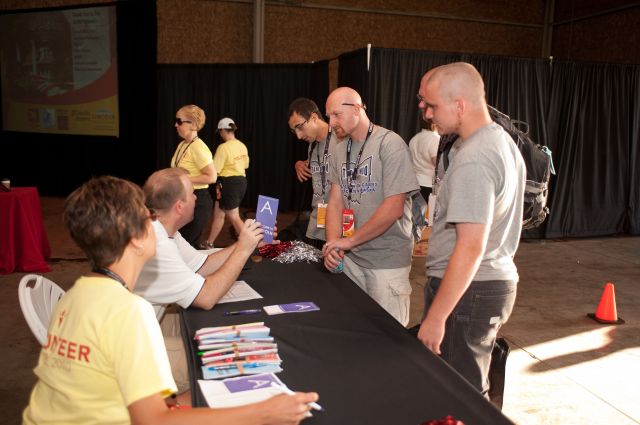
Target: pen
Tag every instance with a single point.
(287, 391)
(250, 311)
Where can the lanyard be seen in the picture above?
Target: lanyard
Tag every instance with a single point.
(323, 171)
(106, 272)
(184, 152)
(352, 174)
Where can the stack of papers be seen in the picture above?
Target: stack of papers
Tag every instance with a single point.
(237, 350)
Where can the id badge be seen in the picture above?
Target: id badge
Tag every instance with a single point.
(322, 215)
(348, 223)
(431, 208)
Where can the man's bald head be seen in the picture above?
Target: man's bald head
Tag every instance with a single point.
(344, 95)
(347, 116)
(453, 96)
(459, 80)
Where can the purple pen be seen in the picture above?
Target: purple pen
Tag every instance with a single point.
(238, 312)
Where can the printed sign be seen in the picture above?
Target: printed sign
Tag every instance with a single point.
(266, 214)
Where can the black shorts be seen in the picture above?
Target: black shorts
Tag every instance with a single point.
(233, 190)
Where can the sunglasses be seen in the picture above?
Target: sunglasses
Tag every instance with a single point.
(179, 121)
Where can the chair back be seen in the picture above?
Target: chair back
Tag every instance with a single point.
(38, 296)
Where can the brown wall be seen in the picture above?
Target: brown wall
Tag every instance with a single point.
(224, 30)
(609, 38)
(210, 31)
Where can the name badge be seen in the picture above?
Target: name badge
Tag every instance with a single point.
(431, 207)
(348, 223)
(322, 215)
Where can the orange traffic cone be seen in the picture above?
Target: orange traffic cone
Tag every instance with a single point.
(607, 312)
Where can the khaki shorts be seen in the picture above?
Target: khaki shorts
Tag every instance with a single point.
(389, 287)
(170, 325)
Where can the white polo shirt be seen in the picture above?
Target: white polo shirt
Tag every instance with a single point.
(170, 276)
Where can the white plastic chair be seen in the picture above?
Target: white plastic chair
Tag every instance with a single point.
(37, 302)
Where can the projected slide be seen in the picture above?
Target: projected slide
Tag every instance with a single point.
(59, 71)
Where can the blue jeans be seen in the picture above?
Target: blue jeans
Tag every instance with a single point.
(472, 327)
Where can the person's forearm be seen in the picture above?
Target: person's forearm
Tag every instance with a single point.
(387, 213)
(202, 179)
(215, 260)
(333, 226)
(157, 414)
(218, 283)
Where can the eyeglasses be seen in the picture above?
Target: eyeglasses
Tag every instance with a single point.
(298, 127)
(180, 121)
(420, 98)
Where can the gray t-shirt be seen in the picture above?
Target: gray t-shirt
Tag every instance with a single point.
(384, 170)
(484, 183)
(320, 192)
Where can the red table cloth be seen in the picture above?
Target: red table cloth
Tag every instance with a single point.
(23, 241)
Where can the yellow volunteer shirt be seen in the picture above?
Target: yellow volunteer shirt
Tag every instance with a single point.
(104, 351)
(231, 159)
(193, 157)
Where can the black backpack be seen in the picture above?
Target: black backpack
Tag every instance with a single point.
(537, 159)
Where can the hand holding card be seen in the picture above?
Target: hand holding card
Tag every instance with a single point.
(266, 214)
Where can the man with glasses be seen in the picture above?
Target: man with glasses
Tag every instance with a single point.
(305, 121)
(179, 273)
(369, 209)
(471, 276)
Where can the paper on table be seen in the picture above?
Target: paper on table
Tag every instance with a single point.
(239, 391)
(239, 291)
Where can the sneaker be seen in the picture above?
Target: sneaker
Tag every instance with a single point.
(206, 245)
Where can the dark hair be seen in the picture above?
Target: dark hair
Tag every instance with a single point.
(232, 127)
(304, 107)
(163, 188)
(103, 215)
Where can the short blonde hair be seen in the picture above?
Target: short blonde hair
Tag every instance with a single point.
(194, 113)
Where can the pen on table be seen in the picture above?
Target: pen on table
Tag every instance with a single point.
(237, 312)
(287, 391)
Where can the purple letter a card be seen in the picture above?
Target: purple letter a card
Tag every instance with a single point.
(299, 307)
(266, 214)
(254, 382)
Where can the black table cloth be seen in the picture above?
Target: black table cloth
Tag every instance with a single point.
(366, 367)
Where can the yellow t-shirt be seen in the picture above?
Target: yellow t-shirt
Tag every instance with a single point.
(231, 159)
(104, 352)
(193, 157)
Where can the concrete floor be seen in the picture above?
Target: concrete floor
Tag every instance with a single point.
(564, 368)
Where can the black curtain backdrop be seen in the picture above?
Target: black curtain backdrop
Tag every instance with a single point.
(588, 114)
(257, 98)
(57, 164)
(352, 72)
(634, 148)
(591, 124)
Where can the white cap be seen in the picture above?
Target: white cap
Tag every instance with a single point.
(225, 124)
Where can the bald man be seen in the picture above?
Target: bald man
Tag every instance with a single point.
(471, 276)
(371, 175)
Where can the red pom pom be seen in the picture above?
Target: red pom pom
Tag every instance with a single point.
(272, 251)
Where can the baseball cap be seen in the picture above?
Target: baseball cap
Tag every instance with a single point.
(225, 124)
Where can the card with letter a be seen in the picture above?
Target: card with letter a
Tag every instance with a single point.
(266, 214)
(299, 307)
